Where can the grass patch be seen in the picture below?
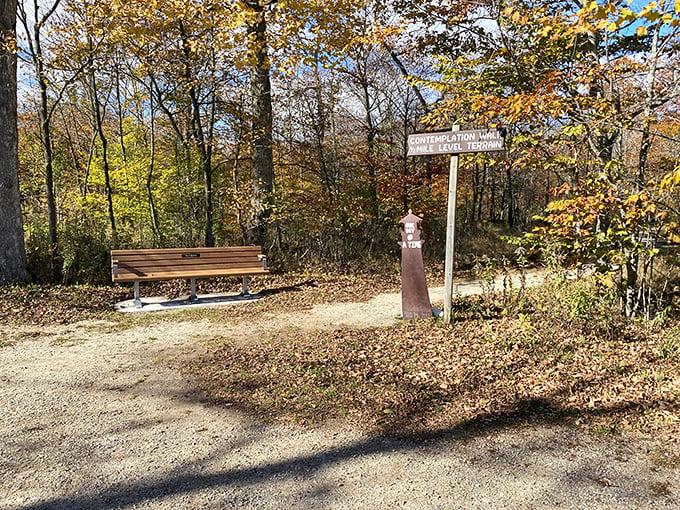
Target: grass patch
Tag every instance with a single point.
(665, 458)
(15, 337)
(65, 341)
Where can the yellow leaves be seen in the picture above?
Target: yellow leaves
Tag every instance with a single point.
(671, 179)
(8, 45)
(574, 130)
(617, 18)
(590, 7)
(655, 12)
(627, 15)
(516, 17)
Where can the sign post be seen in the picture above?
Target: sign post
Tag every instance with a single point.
(450, 234)
(454, 142)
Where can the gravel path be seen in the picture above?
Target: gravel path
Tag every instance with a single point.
(91, 419)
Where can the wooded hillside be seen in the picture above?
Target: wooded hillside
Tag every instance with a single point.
(187, 123)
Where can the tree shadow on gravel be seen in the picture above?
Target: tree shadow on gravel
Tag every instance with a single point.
(417, 420)
(184, 481)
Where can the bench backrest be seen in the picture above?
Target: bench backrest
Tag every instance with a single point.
(163, 264)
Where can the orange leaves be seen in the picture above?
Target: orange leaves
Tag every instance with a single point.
(597, 221)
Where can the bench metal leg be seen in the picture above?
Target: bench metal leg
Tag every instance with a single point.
(245, 292)
(192, 297)
(137, 302)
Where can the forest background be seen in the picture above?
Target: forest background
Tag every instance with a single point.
(284, 123)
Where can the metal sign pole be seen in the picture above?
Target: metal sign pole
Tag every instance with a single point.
(450, 235)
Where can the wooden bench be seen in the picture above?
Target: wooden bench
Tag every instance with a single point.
(187, 263)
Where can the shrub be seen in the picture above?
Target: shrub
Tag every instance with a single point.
(588, 305)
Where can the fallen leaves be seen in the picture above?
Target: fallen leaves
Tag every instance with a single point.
(423, 377)
(57, 304)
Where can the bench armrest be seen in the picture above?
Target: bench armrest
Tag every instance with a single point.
(263, 259)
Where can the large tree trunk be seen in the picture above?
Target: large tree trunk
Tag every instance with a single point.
(263, 159)
(12, 254)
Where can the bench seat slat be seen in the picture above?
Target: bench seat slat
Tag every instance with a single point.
(183, 261)
(156, 276)
(174, 251)
(215, 268)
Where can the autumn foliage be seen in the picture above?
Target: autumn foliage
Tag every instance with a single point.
(285, 123)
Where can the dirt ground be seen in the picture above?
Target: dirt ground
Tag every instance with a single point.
(96, 418)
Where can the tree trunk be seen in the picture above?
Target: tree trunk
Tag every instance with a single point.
(482, 190)
(99, 126)
(12, 253)
(371, 133)
(121, 117)
(150, 170)
(633, 262)
(263, 159)
(476, 186)
(46, 138)
(650, 96)
(631, 285)
(511, 198)
(606, 144)
(319, 113)
(204, 142)
(35, 50)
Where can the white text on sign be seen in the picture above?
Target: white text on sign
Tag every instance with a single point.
(456, 142)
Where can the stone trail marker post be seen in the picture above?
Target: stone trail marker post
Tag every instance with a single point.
(454, 142)
(415, 299)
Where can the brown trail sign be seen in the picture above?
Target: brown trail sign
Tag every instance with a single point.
(454, 142)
